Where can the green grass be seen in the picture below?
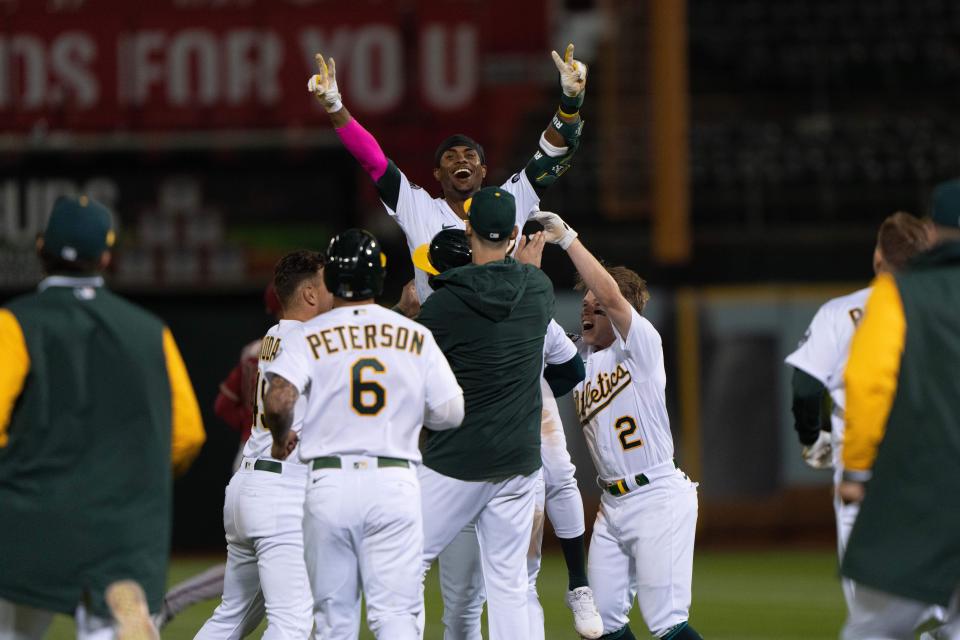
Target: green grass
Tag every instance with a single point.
(769, 595)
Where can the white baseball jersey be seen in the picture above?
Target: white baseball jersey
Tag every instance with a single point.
(259, 443)
(367, 373)
(622, 405)
(557, 347)
(422, 216)
(824, 349)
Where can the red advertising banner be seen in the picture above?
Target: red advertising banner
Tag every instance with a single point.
(186, 65)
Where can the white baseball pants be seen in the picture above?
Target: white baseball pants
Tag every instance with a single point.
(362, 530)
(22, 622)
(642, 546)
(878, 615)
(262, 516)
(861, 608)
(461, 580)
(846, 515)
(502, 513)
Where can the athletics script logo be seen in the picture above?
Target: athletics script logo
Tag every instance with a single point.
(597, 394)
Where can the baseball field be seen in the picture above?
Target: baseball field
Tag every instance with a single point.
(741, 595)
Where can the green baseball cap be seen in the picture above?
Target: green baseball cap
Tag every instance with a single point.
(493, 213)
(78, 229)
(945, 208)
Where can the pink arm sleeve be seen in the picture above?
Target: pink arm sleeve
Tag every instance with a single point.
(364, 147)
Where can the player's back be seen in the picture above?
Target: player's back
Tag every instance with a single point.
(825, 346)
(369, 370)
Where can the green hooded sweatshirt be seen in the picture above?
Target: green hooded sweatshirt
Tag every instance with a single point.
(489, 321)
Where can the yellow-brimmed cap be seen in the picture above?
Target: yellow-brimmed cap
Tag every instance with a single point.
(421, 259)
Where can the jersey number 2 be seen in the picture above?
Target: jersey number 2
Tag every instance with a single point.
(367, 397)
(627, 426)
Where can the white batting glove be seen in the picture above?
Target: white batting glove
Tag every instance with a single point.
(819, 455)
(555, 230)
(324, 85)
(573, 73)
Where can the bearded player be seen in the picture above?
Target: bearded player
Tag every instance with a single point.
(460, 168)
(819, 361)
(642, 544)
(263, 506)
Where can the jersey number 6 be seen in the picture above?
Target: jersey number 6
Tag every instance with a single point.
(367, 397)
(627, 426)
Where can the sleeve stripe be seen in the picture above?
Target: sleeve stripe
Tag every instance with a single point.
(16, 366)
(187, 429)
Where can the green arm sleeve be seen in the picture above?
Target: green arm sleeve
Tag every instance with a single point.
(388, 186)
(809, 395)
(562, 378)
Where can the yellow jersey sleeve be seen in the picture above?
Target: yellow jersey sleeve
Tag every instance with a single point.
(188, 435)
(16, 366)
(872, 373)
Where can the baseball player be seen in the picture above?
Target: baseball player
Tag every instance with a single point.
(460, 168)
(370, 379)
(902, 442)
(263, 507)
(642, 542)
(233, 405)
(819, 361)
(95, 403)
(563, 370)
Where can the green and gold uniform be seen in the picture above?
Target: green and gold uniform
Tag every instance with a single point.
(95, 403)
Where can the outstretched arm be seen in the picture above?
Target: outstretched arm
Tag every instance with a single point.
(560, 140)
(358, 141)
(594, 275)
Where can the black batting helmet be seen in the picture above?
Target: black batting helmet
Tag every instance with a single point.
(448, 249)
(355, 265)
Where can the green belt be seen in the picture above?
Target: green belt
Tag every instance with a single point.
(268, 465)
(619, 487)
(334, 462)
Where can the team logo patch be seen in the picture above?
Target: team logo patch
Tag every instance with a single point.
(599, 393)
(515, 178)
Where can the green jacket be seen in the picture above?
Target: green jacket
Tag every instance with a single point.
(90, 399)
(490, 320)
(906, 540)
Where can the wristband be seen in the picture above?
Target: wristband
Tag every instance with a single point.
(569, 131)
(336, 106)
(570, 105)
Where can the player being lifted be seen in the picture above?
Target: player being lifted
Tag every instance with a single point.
(642, 544)
(370, 378)
(460, 168)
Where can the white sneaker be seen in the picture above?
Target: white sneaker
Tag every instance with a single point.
(586, 618)
(128, 604)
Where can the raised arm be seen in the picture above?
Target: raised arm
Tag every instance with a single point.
(597, 280)
(560, 140)
(358, 141)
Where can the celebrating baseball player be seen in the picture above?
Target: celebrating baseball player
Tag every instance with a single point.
(460, 168)
(819, 361)
(370, 379)
(563, 370)
(642, 542)
(263, 507)
(489, 318)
